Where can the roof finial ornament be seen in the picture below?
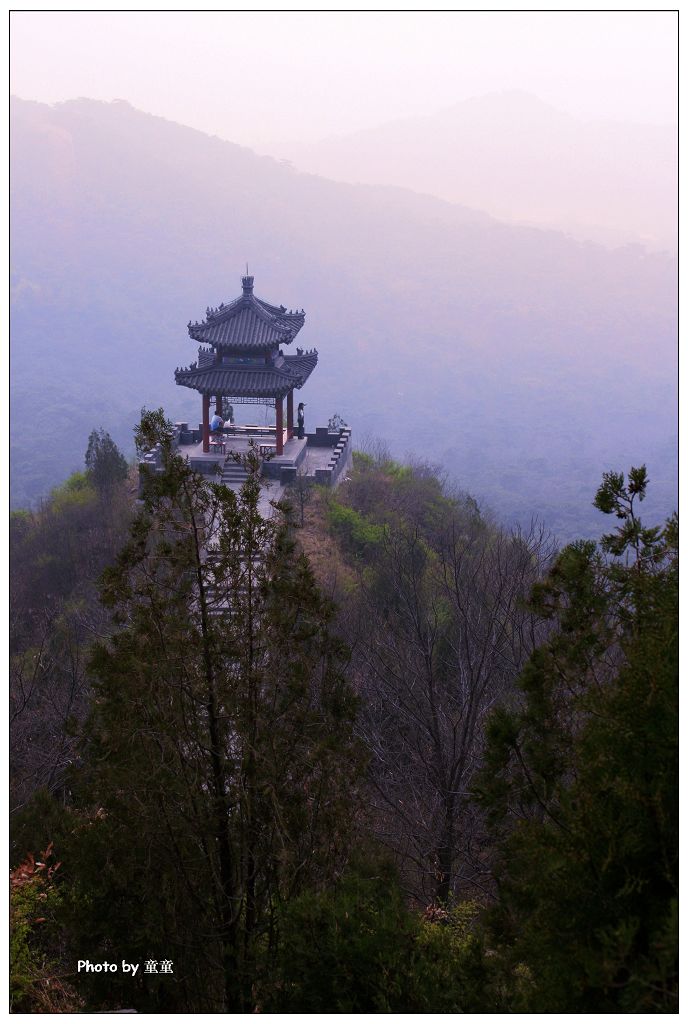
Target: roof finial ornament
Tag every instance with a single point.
(247, 282)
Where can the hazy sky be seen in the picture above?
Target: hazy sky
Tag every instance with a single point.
(256, 78)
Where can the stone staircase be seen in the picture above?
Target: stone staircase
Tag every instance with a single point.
(233, 475)
(218, 597)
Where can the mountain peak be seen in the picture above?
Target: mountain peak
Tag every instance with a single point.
(508, 103)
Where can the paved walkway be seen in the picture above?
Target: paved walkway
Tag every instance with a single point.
(270, 490)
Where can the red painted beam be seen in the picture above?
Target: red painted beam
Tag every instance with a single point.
(290, 414)
(279, 428)
(206, 423)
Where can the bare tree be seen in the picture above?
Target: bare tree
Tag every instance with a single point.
(48, 692)
(57, 555)
(375, 448)
(302, 487)
(443, 634)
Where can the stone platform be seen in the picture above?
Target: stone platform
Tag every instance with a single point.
(323, 457)
(203, 462)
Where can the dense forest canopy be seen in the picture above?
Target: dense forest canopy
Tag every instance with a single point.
(524, 361)
(376, 754)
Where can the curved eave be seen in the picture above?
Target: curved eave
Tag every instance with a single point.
(228, 337)
(301, 366)
(269, 382)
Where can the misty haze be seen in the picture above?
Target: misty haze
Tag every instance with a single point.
(343, 669)
(521, 160)
(524, 361)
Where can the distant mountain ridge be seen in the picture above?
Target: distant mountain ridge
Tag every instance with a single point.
(525, 362)
(521, 160)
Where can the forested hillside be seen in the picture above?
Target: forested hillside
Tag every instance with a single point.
(377, 754)
(523, 361)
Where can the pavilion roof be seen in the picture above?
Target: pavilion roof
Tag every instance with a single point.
(249, 381)
(248, 323)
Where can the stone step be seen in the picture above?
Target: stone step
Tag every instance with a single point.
(233, 473)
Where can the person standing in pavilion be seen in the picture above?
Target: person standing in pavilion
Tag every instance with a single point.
(300, 418)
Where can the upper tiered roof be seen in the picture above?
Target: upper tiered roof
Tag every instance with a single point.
(248, 324)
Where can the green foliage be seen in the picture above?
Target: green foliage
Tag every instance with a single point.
(362, 460)
(397, 471)
(20, 520)
(23, 959)
(355, 532)
(390, 493)
(215, 788)
(580, 781)
(35, 902)
(617, 498)
(357, 948)
(43, 819)
(104, 461)
(219, 751)
(154, 428)
(77, 492)
(57, 553)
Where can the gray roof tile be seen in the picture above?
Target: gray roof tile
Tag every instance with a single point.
(258, 382)
(248, 323)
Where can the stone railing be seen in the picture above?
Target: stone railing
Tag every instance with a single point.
(340, 459)
(151, 462)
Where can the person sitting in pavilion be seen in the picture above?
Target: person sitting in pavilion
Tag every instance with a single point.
(216, 424)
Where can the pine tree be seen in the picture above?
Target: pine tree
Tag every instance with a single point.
(219, 758)
(580, 779)
(104, 461)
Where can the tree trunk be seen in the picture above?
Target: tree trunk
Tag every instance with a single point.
(445, 854)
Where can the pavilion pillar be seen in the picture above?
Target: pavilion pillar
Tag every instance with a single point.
(279, 427)
(290, 414)
(218, 405)
(206, 423)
